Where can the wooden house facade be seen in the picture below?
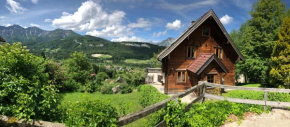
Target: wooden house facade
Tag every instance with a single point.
(204, 52)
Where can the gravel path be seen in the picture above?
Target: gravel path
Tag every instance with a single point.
(276, 118)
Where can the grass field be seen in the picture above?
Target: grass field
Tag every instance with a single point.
(250, 85)
(136, 61)
(130, 102)
(102, 56)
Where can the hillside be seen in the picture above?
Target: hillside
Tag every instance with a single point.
(60, 49)
(17, 33)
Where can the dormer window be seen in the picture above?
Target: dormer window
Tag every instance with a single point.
(205, 31)
(218, 52)
(190, 52)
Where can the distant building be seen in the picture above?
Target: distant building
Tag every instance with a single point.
(152, 75)
(204, 52)
(2, 40)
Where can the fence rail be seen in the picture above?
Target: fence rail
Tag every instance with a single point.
(202, 95)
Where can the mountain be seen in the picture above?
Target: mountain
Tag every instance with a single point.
(62, 48)
(17, 33)
(166, 42)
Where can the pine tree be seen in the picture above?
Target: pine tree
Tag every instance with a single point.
(259, 39)
(280, 72)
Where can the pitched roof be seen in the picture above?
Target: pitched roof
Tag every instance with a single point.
(192, 28)
(2, 40)
(202, 61)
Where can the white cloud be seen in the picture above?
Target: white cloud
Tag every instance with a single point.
(7, 25)
(34, 1)
(159, 33)
(175, 25)
(141, 23)
(15, 7)
(187, 7)
(126, 38)
(47, 20)
(111, 31)
(226, 19)
(34, 25)
(89, 17)
(2, 17)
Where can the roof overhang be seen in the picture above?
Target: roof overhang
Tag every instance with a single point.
(207, 63)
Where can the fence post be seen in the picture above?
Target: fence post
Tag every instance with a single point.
(265, 99)
(203, 92)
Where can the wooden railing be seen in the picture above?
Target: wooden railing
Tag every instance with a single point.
(200, 89)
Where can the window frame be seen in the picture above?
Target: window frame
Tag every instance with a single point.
(181, 76)
(203, 27)
(212, 78)
(190, 52)
(219, 53)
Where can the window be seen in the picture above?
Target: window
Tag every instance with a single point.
(205, 31)
(218, 52)
(181, 76)
(190, 52)
(210, 78)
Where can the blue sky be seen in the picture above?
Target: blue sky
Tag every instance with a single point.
(123, 20)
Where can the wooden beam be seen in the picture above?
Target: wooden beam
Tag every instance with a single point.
(150, 109)
(247, 101)
(247, 88)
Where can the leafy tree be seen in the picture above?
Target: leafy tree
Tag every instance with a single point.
(259, 38)
(280, 72)
(79, 67)
(56, 73)
(25, 91)
(154, 61)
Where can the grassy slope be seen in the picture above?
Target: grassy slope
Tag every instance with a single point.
(136, 61)
(250, 85)
(131, 102)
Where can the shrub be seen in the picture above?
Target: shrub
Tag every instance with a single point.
(206, 114)
(125, 88)
(91, 113)
(150, 95)
(107, 88)
(101, 76)
(71, 85)
(25, 91)
(56, 74)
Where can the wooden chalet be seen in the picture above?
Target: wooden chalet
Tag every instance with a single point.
(204, 52)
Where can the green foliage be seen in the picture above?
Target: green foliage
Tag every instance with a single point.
(90, 113)
(107, 88)
(280, 67)
(154, 61)
(79, 67)
(133, 77)
(56, 74)
(258, 38)
(259, 95)
(206, 114)
(101, 76)
(25, 91)
(150, 95)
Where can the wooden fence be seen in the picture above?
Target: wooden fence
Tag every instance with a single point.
(200, 89)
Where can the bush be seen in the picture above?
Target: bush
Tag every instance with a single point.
(107, 88)
(25, 91)
(125, 88)
(91, 113)
(71, 85)
(133, 77)
(101, 76)
(206, 114)
(56, 74)
(150, 95)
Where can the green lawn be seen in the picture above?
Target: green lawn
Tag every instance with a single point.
(249, 85)
(136, 61)
(130, 102)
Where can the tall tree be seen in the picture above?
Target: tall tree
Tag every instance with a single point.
(259, 38)
(280, 72)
